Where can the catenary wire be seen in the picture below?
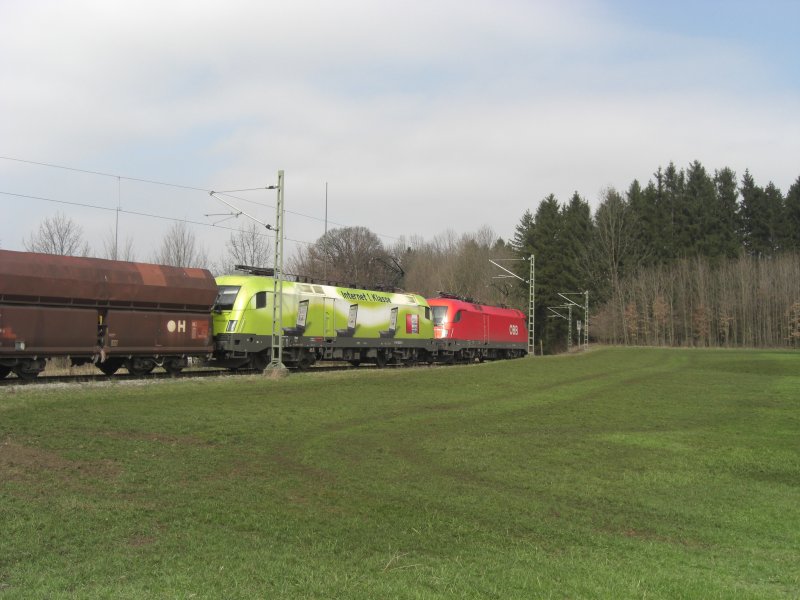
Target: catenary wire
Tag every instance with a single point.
(142, 214)
(185, 187)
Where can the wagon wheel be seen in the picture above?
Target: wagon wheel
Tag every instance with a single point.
(140, 366)
(29, 369)
(355, 363)
(4, 371)
(304, 363)
(110, 366)
(173, 367)
(380, 360)
(25, 373)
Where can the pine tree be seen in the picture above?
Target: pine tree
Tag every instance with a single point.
(522, 242)
(647, 235)
(548, 237)
(543, 235)
(728, 242)
(576, 240)
(673, 211)
(762, 217)
(792, 208)
(699, 226)
(776, 215)
(752, 213)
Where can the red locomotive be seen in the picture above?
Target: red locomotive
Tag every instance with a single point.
(468, 331)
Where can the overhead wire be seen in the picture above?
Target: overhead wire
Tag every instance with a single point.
(142, 214)
(178, 186)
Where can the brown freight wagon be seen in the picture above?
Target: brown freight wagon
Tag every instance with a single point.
(106, 312)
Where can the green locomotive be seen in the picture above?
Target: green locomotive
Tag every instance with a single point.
(319, 322)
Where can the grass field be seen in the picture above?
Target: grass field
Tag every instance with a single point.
(619, 473)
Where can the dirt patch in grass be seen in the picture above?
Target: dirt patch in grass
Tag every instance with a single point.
(19, 462)
(141, 540)
(141, 436)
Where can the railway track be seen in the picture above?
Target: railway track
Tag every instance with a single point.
(45, 379)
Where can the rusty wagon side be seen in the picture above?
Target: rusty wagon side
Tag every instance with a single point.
(111, 313)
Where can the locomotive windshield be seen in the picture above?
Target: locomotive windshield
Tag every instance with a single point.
(439, 314)
(226, 297)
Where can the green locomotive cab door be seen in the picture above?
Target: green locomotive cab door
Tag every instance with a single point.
(328, 319)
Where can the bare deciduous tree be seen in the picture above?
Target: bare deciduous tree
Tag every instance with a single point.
(114, 249)
(349, 255)
(249, 246)
(179, 248)
(748, 301)
(459, 265)
(58, 235)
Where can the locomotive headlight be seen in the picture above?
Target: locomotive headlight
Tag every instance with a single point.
(231, 326)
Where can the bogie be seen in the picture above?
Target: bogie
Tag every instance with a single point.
(29, 368)
(174, 365)
(110, 366)
(139, 366)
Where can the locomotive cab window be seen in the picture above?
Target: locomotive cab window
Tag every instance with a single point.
(427, 313)
(439, 315)
(457, 318)
(261, 299)
(226, 296)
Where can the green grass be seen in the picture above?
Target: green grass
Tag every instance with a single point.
(620, 473)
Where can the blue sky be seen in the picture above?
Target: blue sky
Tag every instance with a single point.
(422, 116)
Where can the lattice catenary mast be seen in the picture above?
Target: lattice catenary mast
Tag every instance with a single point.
(531, 293)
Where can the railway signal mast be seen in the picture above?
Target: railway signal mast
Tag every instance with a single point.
(531, 292)
(585, 325)
(276, 349)
(555, 310)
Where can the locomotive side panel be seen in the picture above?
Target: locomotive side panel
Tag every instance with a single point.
(507, 326)
(319, 322)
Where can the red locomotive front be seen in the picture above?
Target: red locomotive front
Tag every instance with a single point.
(478, 330)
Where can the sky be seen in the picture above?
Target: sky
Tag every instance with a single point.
(419, 117)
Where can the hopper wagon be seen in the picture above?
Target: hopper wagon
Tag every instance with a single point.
(111, 313)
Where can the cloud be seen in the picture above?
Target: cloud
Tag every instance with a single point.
(421, 116)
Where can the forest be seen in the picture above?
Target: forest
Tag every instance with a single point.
(689, 259)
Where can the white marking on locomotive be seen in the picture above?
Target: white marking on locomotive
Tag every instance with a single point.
(513, 329)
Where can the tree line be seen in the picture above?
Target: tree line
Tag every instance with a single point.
(179, 247)
(690, 258)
